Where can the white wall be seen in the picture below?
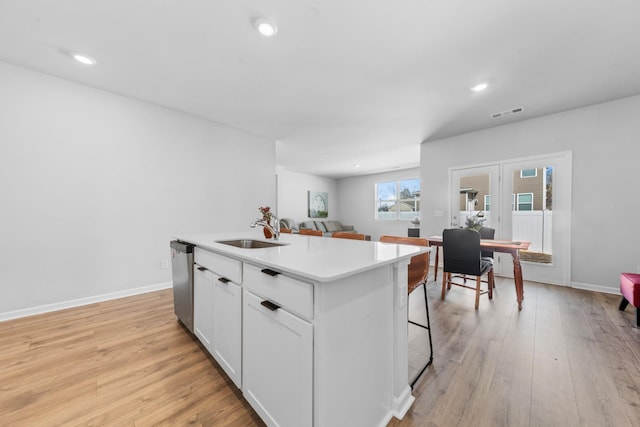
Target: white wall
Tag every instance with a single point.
(357, 203)
(93, 186)
(605, 141)
(293, 198)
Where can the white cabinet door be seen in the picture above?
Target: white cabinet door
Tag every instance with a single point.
(203, 306)
(227, 328)
(277, 363)
(218, 320)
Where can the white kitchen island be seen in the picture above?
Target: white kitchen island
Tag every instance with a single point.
(314, 332)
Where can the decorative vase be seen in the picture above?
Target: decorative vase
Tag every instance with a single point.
(267, 233)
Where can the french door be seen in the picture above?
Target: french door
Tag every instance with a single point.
(475, 197)
(537, 208)
(524, 199)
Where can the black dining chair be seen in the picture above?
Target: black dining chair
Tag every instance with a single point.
(487, 233)
(462, 256)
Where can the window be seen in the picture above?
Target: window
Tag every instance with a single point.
(398, 199)
(528, 173)
(525, 202)
(487, 202)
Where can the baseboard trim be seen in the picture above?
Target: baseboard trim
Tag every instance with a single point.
(402, 403)
(595, 288)
(16, 314)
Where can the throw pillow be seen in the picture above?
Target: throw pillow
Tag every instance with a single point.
(331, 226)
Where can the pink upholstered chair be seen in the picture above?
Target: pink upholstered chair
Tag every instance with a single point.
(630, 289)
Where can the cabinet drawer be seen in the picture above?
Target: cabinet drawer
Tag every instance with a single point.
(292, 294)
(221, 265)
(277, 364)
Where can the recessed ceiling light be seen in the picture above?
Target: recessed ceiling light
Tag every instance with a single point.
(356, 165)
(266, 28)
(82, 58)
(479, 87)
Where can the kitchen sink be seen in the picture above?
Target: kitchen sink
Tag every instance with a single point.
(249, 243)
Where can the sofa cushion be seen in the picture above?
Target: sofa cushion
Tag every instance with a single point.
(320, 226)
(309, 225)
(332, 226)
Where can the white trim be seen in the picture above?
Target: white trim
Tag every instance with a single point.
(47, 308)
(596, 288)
(402, 403)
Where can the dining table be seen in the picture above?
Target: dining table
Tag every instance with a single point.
(504, 246)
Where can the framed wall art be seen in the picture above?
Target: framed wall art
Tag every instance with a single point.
(318, 204)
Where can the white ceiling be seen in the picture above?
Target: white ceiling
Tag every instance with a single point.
(343, 81)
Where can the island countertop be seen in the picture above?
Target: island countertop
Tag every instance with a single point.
(322, 259)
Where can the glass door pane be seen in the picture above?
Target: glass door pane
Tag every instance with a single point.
(532, 211)
(475, 199)
(540, 212)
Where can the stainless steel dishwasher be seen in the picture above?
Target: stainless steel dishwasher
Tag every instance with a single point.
(182, 271)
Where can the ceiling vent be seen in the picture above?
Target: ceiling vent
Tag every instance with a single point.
(507, 113)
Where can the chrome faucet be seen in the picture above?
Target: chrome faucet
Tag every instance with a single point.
(261, 222)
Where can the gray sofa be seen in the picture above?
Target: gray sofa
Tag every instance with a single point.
(327, 227)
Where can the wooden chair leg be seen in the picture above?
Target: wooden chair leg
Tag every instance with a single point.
(444, 283)
(478, 281)
(490, 282)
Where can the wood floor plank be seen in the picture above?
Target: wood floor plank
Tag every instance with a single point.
(509, 395)
(619, 355)
(568, 358)
(122, 362)
(553, 401)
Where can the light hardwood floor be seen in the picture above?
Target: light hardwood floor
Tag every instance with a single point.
(568, 358)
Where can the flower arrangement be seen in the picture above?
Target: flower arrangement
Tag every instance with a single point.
(475, 222)
(266, 214)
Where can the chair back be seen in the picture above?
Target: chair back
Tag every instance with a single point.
(348, 235)
(308, 232)
(285, 230)
(487, 233)
(419, 266)
(461, 251)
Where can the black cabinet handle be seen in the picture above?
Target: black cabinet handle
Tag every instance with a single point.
(223, 280)
(202, 269)
(271, 306)
(270, 272)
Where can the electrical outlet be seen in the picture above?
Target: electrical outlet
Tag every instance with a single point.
(164, 264)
